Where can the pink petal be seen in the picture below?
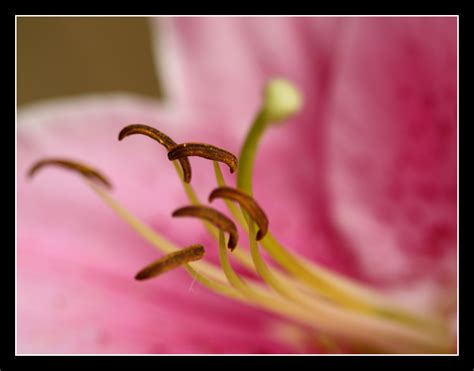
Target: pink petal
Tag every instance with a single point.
(392, 136)
(219, 65)
(391, 143)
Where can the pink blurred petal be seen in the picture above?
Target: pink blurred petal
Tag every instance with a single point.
(392, 148)
(218, 65)
(363, 180)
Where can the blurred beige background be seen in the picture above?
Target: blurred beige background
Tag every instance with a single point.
(67, 56)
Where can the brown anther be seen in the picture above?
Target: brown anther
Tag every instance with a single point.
(215, 217)
(248, 203)
(204, 150)
(161, 138)
(149, 131)
(171, 261)
(84, 170)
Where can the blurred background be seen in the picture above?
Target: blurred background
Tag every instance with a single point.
(51, 52)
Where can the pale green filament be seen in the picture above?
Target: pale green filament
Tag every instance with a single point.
(239, 253)
(188, 188)
(283, 288)
(238, 215)
(160, 242)
(230, 205)
(322, 316)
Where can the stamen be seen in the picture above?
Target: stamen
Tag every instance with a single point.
(83, 169)
(334, 319)
(204, 150)
(215, 217)
(153, 237)
(171, 261)
(241, 255)
(248, 203)
(161, 138)
(149, 131)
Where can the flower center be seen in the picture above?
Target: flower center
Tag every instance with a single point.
(299, 290)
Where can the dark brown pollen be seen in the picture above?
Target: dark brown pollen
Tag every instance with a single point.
(161, 138)
(213, 216)
(248, 203)
(206, 151)
(171, 261)
(84, 170)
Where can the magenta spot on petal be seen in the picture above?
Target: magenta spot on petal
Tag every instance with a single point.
(412, 51)
(395, 191)
(429, 101)
(384, 214)
(439, 237)
(404, 93)
(427, 192)
(359, 167)
(450, 194)
(413, 215)
(444, 127)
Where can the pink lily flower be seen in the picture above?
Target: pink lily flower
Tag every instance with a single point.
(359, 187)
